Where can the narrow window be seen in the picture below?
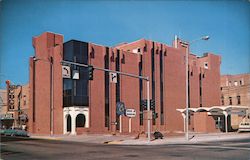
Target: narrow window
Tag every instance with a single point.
(161, 86)
(235, 83)
(153, 76)
(117, 68)
(206, 65)
(106, 74)
(238, 100)
(139, 50)
(200, 82)
(141, 91)
(230, 101)
(222, 100)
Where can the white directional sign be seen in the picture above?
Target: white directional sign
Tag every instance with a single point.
(130, 112)
(75, 74)
(113, 77)
(65, 71)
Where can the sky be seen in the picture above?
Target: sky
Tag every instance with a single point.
(111, 22)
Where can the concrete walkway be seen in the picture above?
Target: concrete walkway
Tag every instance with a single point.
(130, 140)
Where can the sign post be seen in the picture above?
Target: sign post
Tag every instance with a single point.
(130, 113)
(120, 128)
(129, 125)
(120, 110)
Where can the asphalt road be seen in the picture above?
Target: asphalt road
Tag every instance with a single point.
(27, 149)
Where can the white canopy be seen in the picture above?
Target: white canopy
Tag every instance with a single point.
(217, 110)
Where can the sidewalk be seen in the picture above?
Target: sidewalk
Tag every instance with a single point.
(130, 140)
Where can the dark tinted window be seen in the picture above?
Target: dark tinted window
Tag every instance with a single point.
(75, 91)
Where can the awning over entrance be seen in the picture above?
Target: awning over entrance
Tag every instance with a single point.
(218, 110)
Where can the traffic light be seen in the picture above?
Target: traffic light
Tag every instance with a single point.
(155, 115)
(144, 104)
(152, 104)
(91, 74)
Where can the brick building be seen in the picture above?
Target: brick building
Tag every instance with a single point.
(235, 90)
(14, 109)
(75, 105)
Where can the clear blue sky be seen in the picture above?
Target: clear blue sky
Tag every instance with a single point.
(112, 22)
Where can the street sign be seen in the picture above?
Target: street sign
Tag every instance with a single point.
(130, 113)
(75, 74)
(65, 71)
(113, 77)
(120, 108)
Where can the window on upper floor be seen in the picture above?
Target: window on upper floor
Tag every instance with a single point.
(222, 100)
(235, 83)
(241, 82)
(230, 101)
(206, 65)
(136, 50)
(238, 100)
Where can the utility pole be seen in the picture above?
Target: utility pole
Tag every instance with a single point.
(187, 46)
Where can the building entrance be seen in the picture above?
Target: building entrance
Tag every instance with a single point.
(68, 123)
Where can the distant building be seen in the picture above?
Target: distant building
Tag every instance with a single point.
(235, 90)
(73, 104)
(3, 104)
(14, 112)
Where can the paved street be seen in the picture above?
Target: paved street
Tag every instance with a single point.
(25, 148)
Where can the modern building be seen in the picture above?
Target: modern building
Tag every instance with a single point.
(64, 101)
(235, 90)
(15, 104)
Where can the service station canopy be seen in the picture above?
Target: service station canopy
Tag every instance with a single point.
(218, 110)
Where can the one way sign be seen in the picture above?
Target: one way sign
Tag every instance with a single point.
(113, 77)
(65, 71)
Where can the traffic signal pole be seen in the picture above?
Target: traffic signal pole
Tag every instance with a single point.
(125, 74)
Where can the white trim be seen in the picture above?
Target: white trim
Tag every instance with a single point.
(73, 112)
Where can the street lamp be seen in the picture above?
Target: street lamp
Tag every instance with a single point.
(187, 46)
(50, 60)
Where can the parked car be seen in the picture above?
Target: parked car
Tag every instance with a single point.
(15, 132)
(2, 131)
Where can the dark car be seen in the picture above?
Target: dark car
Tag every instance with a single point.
(15, 132)
(158, 135)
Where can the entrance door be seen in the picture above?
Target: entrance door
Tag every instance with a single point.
(68, 123)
